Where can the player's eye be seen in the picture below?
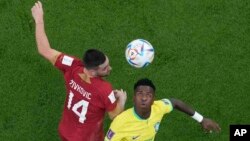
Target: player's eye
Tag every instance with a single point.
(105, 68)
(139, 93)
(150, 95)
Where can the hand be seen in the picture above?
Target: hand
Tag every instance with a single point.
(37, 12)
(121, 95)
(209, 125)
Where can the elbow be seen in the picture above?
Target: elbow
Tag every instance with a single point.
(45, 53)
(112, 115)
(41, 52)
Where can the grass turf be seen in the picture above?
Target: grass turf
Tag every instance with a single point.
(202, 57)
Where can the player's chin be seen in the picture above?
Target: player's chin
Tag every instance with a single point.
(144, 106)
(108, 73)
(105, 75)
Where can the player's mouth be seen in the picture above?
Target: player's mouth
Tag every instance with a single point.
(143, 105)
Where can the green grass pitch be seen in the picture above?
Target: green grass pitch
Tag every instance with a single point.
(202, 56)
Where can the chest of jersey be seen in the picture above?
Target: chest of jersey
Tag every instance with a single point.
(137, 129)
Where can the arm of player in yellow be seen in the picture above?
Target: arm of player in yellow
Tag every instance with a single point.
(121, 97)
(42, 41)
(207, 124)
(181, 106)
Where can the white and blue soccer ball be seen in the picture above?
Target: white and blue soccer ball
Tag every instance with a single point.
(139, 53)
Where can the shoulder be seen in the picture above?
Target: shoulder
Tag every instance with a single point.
(124, 116)
(67, 59)
(66, 62)
(121, 121)
(162, 102)
(163, 105)
(103, 85)
(105, 92)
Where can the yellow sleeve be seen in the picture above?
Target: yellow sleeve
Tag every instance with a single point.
(110, 136)
(167, 105)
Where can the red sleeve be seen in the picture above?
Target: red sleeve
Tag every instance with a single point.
(109, 99)
(65, 62)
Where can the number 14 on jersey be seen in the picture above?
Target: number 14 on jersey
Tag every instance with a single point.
(80, 104)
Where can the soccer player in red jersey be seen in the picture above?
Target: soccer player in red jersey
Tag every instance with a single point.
(88, 95)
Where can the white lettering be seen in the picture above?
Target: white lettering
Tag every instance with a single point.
(243, 131)
(237, 132)
(240, 132)
(79, 89)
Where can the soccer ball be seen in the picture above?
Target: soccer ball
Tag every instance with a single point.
(139, 53)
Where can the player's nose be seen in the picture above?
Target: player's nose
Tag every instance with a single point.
(144, 98)
(110, 68)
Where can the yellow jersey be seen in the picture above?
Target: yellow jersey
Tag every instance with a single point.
(128, 126)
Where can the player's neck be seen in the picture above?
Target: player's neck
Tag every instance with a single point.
(143, 114)
(89, 73)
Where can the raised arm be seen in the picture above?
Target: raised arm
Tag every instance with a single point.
(42, 41)
(121, 97)
(207, 124)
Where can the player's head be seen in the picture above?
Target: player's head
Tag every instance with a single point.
(96, 62)
(144, 93)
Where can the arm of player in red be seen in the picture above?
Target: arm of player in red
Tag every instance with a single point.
(42, 41)
(207, 124)
(121, 97)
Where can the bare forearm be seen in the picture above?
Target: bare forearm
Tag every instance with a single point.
(118, 109)
(41, 39)
(43, 45)
(206, 123)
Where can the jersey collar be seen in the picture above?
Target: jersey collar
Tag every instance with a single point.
(137, 116)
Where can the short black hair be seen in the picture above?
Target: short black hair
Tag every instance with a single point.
(144, 82)
(93, 58)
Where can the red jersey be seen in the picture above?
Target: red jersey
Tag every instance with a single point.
(85, 104)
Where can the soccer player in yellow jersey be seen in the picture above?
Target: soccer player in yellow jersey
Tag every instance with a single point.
(142, 122)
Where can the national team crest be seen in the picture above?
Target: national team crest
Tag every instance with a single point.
(157, 126)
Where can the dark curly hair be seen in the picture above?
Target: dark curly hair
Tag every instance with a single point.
(144, 82)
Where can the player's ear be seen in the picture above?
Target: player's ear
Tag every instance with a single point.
(93, 72)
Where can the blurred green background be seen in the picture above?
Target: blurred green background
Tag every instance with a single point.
(202, 56)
